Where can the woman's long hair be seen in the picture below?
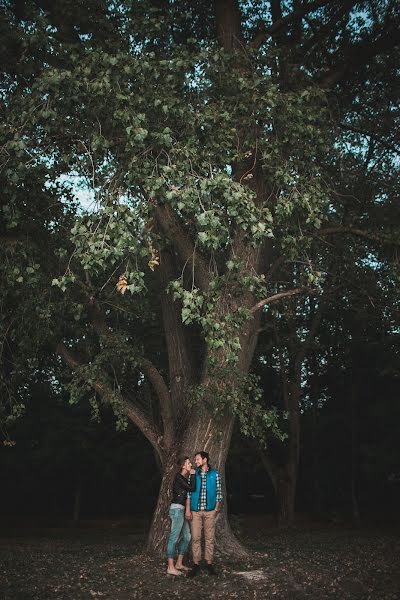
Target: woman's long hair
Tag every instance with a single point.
(181, 461)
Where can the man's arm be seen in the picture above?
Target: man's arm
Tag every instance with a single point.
(219, 492)
(188, 513)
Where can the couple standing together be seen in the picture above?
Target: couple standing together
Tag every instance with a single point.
(196, 500)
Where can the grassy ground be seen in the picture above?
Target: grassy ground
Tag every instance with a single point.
(108, 563)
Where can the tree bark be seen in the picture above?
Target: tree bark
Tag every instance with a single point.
(283, 480)
(204, 433)
(317, 500)
(353, 442)
(286, 494)
(160, 525)
(284, 476)
(284, 473)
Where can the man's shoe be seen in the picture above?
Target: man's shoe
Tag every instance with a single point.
(195, 570)
(211, 570)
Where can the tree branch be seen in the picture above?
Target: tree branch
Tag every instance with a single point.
(228, 19)
(326, 29)
(264, 34)
(106, 392)
(360, 54)
(11, 240)
(169, 225)
(182, 359)
(353, 231)
(280, 295)
(373, 136)
(164, 397)
(157, 381)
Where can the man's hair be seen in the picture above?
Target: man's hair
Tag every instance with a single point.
(181, 460)
(203, 454)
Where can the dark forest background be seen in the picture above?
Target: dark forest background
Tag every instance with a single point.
(65, 466)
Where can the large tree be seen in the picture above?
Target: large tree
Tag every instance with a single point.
(355, 264)
(202, 131)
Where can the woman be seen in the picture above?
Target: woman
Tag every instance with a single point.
(179, 526)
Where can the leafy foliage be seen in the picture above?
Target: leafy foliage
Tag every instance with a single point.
(220, 156)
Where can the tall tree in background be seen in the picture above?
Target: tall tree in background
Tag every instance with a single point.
(354, 259)
(207, 135)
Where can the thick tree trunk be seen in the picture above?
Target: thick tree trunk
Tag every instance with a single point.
(284, 481)
(353, 433)
(317, 501)
(283, 471)
(204, 433)
(292, 466)
(159, 530)
(286, 494)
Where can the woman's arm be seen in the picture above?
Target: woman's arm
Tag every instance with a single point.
(190, 485)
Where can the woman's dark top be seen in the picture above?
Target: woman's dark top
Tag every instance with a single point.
(181, 487)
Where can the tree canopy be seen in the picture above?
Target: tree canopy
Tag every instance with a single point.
(234, 151)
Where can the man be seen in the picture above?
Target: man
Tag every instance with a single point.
(202, 506)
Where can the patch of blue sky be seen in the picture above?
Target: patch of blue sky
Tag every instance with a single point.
(196, 78)
(370, 262)
(81, 190)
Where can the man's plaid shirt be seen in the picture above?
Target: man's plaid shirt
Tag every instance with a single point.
(203, 490)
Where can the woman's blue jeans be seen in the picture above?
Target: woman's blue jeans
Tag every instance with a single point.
(179, 529)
